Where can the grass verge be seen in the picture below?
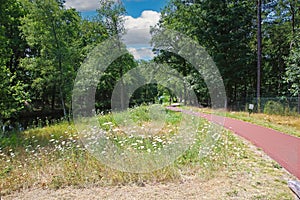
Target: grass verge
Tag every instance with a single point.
(286, 124)
(54, 157)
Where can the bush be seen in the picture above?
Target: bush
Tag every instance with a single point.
(291, 111)
(274, 108)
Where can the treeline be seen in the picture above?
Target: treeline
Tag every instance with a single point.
(228, 31)
(43, 44)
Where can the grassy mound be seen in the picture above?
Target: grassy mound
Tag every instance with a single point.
(54, 156)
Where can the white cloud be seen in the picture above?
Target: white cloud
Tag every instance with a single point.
(81, 5)
(141, 53)
(138, 29)
(137, 37)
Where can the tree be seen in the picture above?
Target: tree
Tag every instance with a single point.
(292, 75)
(259, 51)
(51, 29)
(281, 21)
(277, 33)
(13, 96)
(293, 70)
(92, 32)
(109, 79)
(111, 14)
(225, 29)
(12, 49)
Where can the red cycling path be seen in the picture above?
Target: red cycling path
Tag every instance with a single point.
(283, 148)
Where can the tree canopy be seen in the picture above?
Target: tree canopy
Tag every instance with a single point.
(43, 44)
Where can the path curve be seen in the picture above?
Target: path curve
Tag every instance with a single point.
(283, 148)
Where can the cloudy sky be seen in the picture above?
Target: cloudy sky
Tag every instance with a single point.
(141, 14)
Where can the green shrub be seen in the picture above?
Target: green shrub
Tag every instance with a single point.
(291, 111)
(274, 108)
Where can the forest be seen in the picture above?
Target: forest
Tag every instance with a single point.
(214, 112)
(255, 45)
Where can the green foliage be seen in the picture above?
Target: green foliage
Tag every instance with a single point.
(111, 13)
(112, 75)
(36, 136)
(273, 107)
(225, 29)
(281, 22)
(42, 45)
(92, 33)
(13, 95)
(292, 74)
(279, 108)
(145, 94)
(141, 113)
(57, 153)
(12, 49)
(53, 30)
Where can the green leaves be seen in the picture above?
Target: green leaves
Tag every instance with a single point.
(12, 92)
(111, 13)
(12, 49)
(292, 74)
(225, 29)
(54, 31)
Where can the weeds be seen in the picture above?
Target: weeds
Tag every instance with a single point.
(286, 124)
(54, 157)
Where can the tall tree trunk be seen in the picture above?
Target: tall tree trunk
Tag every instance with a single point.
(62, 102)
(53, 97)
(259, 52)
(60, 69)
(122, 90)
(293, 22)
(121, 68)
(60, 88)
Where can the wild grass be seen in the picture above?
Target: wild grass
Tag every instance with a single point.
(54, 157)
(286, 124)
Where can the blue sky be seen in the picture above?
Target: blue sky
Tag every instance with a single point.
(134, 8)
(141, 14)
